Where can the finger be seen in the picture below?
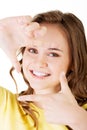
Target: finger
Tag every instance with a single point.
(40, 32)
(65, 88)
(24, 20)
(64, 84)
(32, 26)
(36, 98)
(30, 29)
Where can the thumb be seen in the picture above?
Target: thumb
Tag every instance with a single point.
(65, 88)
(64, 83)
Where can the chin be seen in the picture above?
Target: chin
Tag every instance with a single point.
(36, 86)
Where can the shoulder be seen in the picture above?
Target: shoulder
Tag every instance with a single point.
(4, 91)
(5, 95)
(85, 106)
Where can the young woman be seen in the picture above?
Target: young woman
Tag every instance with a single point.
(53, 65)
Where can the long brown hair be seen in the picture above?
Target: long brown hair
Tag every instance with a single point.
(77, 76)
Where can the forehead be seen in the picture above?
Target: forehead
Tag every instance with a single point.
(56, 29)
(55, 35)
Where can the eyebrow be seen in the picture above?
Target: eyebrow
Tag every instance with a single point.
(55, 49)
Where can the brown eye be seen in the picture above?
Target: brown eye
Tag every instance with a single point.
(53, 54)
(33, 50)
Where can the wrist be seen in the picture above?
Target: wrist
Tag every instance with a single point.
(79, 119)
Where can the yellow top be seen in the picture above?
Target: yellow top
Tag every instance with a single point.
(12, 115)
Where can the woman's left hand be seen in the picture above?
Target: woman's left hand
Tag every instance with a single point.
(61, 107)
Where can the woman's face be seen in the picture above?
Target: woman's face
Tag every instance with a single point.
(45, 59)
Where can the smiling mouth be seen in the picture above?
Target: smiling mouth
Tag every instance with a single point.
(39, 74)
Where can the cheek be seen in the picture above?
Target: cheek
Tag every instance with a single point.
(25, 63)
(24, 66)
(26, 59)
(62, 65)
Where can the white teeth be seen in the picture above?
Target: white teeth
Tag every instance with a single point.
(39, 73)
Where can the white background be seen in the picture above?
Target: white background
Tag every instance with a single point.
(31, 7)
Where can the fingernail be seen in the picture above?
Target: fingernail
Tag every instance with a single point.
(63, 73)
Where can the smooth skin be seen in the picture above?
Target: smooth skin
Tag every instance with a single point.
(45, 64)
(45, 59)
(19, 31)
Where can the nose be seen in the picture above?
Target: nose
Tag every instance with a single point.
(41, 62)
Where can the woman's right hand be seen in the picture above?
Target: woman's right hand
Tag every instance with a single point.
(16, 32)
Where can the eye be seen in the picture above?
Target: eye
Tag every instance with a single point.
(32, 50)
(53, 54)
